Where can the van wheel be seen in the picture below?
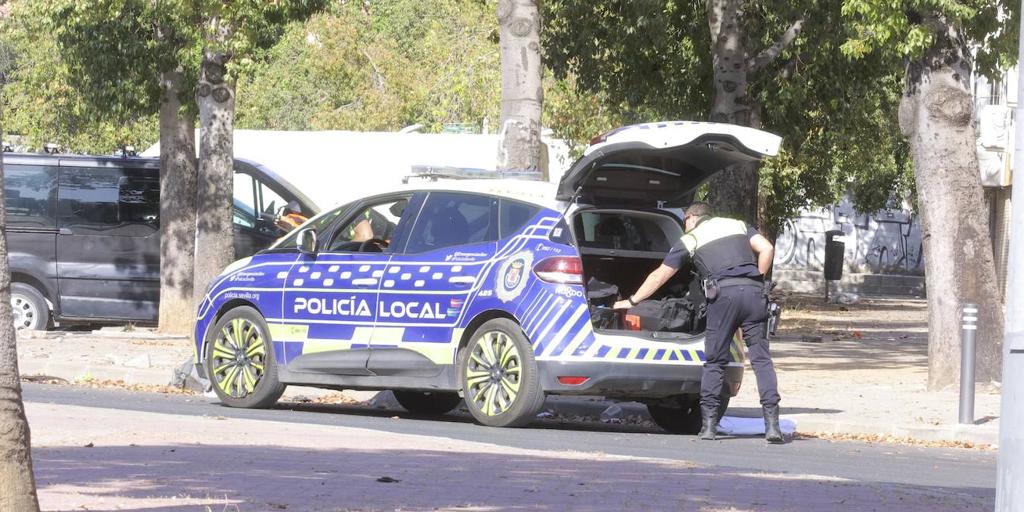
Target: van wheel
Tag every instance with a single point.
(427, 402)
(240, 360)
(29, 308)
(500, 380)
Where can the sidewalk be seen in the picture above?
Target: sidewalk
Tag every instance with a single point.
(855, 371)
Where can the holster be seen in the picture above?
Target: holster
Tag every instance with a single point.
(711, 288)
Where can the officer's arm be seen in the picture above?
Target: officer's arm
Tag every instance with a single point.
(764, 251)
(654, 281)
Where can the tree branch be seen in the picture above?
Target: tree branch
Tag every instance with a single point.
(772, 52)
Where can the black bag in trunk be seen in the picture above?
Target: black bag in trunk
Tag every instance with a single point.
(602, 297)
(665, 315)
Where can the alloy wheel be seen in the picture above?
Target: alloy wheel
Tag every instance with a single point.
(493, 373)
(239, 358)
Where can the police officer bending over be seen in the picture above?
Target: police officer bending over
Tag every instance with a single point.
(731, 259)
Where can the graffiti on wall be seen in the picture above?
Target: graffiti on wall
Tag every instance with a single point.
(883, 242)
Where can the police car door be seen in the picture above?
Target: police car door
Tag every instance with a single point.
(431, 281)
(332, 295)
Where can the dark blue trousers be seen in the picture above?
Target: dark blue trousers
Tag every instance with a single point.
(737, 307)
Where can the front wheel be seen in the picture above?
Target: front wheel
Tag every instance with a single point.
(500, 379)
(434, 403)
(28, 308)
(240, 360)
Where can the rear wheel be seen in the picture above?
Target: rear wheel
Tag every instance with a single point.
(427, 402)
(240, 360)
(682, 417)
(29, 308)
(500, 380)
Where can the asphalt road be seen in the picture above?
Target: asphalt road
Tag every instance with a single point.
(955, 470)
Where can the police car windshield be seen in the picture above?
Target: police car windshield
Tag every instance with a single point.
(318, 223)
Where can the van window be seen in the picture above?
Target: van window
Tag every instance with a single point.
(449, 219)
(255, 201)
(30, 196)
(108, 201)
(514, 215)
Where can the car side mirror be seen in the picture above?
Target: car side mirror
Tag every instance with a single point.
(307, 241)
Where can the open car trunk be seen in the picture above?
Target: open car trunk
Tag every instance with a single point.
(619, 248)
(629, 175)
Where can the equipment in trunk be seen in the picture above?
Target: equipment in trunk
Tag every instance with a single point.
(665, 315)
(602, 297)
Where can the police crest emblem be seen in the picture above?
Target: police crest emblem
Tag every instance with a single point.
(512, 276)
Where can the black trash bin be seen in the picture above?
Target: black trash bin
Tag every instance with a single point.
(834, 249)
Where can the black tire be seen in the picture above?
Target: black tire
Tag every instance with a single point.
(29, 309)
(684, 417)
(434, 403)
(226, 360)
(516, 369)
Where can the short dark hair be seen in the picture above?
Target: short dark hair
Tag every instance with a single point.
(698, 209)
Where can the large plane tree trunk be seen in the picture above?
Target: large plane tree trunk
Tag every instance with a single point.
(522, 97)
(177, 208)
(17, 484)
(733, 192)
(936, 115)
(215, 96)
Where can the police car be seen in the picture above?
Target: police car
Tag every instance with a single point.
(495, 291)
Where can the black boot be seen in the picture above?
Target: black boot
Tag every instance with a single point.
(772, 432)
(709, 417)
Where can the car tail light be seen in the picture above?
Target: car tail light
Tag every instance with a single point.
(560, 270)
(572, 381)
(632, 322)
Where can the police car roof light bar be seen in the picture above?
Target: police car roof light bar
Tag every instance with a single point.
(434, 173)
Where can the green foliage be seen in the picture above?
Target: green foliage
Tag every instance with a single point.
(908, 28)
(43, 100)
(379, 66)
(649, 60)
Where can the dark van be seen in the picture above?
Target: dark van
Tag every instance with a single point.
(83, 233)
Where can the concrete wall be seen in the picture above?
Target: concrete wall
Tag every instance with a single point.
(883, 242)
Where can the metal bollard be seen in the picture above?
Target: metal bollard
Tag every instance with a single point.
(967, 352)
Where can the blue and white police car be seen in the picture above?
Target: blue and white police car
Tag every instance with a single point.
(495, 291)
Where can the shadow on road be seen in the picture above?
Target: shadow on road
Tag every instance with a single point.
(259, 477)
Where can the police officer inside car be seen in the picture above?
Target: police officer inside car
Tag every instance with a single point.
(731, 260)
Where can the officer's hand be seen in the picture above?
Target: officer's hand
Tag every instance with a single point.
(622, 304)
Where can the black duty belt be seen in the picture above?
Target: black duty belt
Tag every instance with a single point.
(740, 281)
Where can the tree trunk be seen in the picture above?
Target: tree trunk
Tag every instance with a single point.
(522, 96)
(936, 115)
(17, 483)
(177, 209)
(215, 97)
(733, 192)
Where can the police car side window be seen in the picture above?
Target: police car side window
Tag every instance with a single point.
(376, 221)
(513, 215)
(319, 225)
(449, 219)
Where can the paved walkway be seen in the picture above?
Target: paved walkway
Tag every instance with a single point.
(856, 370)
(159, 462)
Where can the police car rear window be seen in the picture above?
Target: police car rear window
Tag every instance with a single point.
(616, 230)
